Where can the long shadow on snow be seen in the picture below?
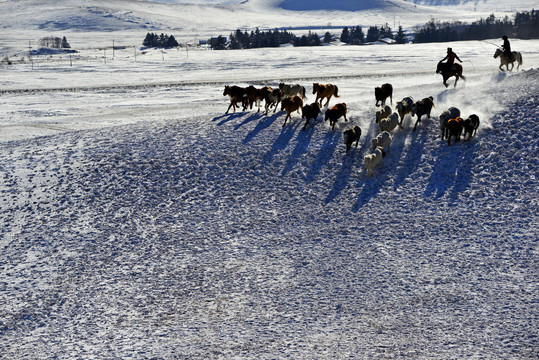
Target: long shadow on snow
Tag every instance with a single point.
(223, 119)
(331, 139)
(452, 170)
(248, 119)
(412, 157)
(281, 141)
(302, 143)
(264, 123)
(352, 161)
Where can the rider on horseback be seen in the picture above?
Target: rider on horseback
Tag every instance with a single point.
(506, 47)
(450, 57)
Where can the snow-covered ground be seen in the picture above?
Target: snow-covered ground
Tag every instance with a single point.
(138, 221)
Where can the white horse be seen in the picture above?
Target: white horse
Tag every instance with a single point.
(504, 60)
(290, 90)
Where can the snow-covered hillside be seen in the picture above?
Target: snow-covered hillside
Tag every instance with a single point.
(128, 21)
(139, 221)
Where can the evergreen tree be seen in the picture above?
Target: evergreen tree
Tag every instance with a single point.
(401, 36)
(345, 35)
(65, 44)
(171, 42)
(162, 40)
(357, 36)
(327, 37)
(373, 34)
(218, 43)
(385, 32)
(150, 40)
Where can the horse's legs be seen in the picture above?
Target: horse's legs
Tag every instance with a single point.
(306, 122)
(229, 106)
(417, 121)
(327, 102)
(286, 118)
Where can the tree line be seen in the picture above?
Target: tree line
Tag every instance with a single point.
(525, 25)
(160, 41)
(275, 38)
(54, 42)
(258, 39)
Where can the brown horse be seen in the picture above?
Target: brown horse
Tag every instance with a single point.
(325, 91)
(336, 112)
(290, 105)
(448, 70)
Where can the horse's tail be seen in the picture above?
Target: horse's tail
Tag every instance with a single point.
(304, 93)
(336, 91)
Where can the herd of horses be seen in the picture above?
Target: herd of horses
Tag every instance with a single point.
(291, 97)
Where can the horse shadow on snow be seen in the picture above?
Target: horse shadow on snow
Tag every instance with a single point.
(303, 139)
(223, 119)
(331, 139)
(452, 171)
(410, 162)
(282, 141)
(351, 162)
(264, 123)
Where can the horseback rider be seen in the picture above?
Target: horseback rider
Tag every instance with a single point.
(450, 57)
(506, 47)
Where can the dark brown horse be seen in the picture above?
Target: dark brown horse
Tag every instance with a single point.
(382, 93)
(236, 95)
(448, 70)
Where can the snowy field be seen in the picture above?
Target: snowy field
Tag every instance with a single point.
(139, 221)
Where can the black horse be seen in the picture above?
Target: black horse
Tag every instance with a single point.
(448, 70)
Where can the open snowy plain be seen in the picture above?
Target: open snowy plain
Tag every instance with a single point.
(139, 221)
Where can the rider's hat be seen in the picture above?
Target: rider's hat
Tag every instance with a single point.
(504, 37)
(449, 49)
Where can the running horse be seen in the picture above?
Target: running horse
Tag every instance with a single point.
(447, 70)
(325, 91)
(504, 60)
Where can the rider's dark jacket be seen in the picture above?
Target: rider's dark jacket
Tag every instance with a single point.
(451, 58)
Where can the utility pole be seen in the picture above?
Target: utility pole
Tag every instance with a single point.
(30, 54)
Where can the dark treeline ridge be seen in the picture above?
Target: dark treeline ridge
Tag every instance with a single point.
(160, 41)
(271, 38)
(525, 25)
(275, 38)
